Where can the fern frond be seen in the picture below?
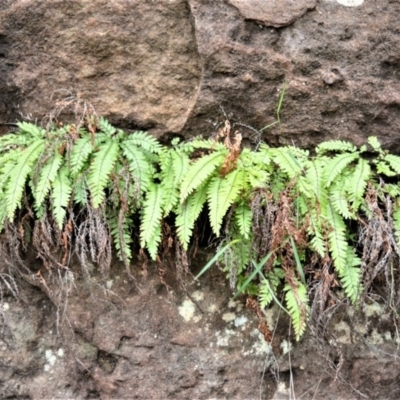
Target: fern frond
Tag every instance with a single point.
(394, 162)
(358, 182)
(188, 213)
(336, 165)
(100, 169)
(198, 172)
(337, 238)
(339, 200)
(335, 145)
(222, 192)
(47, 175)
(106, 127)
(143, 140)
(151, 219)
(396, 220)
(80, 154)
(374, 143)
(27, 128)
(384, 168)
(287, 161)
(315, 229)
(80, 190)
(139, 166)
(269, 286)
(350, 276)
(61, 194)
(120, 231)
(243, 219)
(297, 305)
(16, 183)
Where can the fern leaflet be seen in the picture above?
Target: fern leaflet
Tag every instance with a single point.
(335, 145)
(61, 194)
(243, 218)
(336, 165)
(79, 154)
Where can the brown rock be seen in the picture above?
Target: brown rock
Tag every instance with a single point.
(273, 13)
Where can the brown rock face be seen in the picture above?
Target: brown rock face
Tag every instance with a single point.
(181, 67)
(273, 13)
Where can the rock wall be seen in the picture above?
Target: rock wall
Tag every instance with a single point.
(180, 67)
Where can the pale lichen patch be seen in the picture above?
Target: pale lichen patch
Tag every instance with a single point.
(228, 317)
(187, 310)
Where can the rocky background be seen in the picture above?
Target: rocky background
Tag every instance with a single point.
(180, 68)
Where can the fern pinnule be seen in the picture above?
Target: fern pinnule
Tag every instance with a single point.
(17, 178)
(335, 146)
(105, 127)
(222, 193)
(339, 199)
(188, 213)
(374, 143)
(102, 164)
(61, 193)
(287, 161)
(151, 218)
(31, 130)
(200, 170)
(336, 165)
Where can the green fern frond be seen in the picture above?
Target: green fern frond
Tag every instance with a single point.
(188, 213)
(396, 220)
(46, 176)
(106, 127)
(269, 286)
(5, 171)
(61, 194)
(315, 229)
(287, 162)
(16, 182)
(337, 238)
(34, 131)
(139, 166)
(198, 172)
(350, 276)
(151, 219)
(336, 165)
(384, 168)
(222, 192)
(100, 169)
(358, 182)
(143, 140)
(339, 200)
(243, 219)
(80, 190)
(374, 143)
(297, 304)
(394, 162)
(335, 145)
(79, 155)
(120, 231)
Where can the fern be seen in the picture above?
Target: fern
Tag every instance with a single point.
(335, 145)
(269, 286)
(120, 231)
(337, 238)
(297, 305)
(198, 172)
(221, 193)
(394, 162)
(287, 161)
(339, 200)
(150, 232)
(61, 193)
(80, 154)
(374, 143)
(106, 127)
(358, 183)
(243, 218)
(101, 167)
(145, 141)
(16, 183)
(139, 166)
(350, 276)
(336, 165)
(46, 176)
(189, 212)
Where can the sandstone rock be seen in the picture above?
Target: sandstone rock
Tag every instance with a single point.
(181, 67)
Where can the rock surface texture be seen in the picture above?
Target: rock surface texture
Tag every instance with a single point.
(180, 68)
